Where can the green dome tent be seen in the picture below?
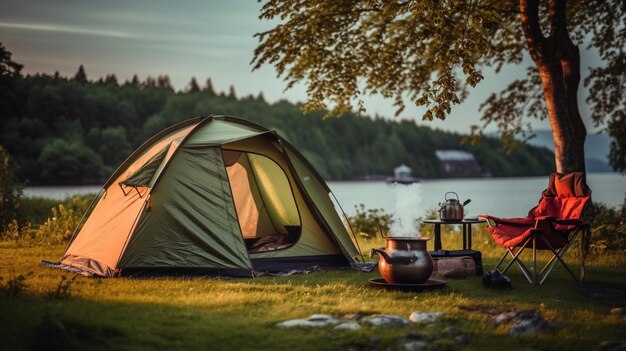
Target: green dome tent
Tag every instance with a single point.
(211, 195)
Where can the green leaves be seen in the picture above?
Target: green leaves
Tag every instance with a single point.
(432, 51)
(343, 49)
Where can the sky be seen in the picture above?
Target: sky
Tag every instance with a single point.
(184, 39)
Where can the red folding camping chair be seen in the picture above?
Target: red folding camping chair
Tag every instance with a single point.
(554, 224)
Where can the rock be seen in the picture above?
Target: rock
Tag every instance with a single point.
(425, 317)
(415, 345)
(454, 267)
(322, 318)
(612, 345)
(347, 326)
(385, 320)
(523, 322)
(353, 316)
(618, 311)
(528, 326)
(316, 320)
(298, 323)
(507, 317)
(460, 337)
(495, 279)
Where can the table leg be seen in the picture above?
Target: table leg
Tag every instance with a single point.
(469, 236)
(437, 236)
(465, 225)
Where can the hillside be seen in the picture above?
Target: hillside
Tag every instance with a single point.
(70, 131)
(597, 148)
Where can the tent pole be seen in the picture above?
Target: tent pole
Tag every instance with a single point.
(356, 241)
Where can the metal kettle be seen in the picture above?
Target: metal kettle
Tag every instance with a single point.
(452, 209)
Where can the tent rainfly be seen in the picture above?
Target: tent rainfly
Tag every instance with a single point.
(211, 195)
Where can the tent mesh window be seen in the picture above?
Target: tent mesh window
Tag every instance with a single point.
(143, 176)
(265, 204)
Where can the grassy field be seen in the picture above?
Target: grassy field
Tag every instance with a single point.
(54, 310)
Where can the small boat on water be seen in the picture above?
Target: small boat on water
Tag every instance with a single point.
(402, 175)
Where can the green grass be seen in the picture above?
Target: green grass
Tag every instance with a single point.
(240, 314)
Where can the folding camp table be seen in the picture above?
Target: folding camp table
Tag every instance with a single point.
(467, 241)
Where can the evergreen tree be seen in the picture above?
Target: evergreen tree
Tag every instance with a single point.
(135, 81)
(111, 79)
(231, 92)
(164, 82)
(208, 87)
(193, 86)
(8, 68)
(81, 76)
(10, 190)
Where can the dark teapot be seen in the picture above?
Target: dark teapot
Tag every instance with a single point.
(452, 210)
(404, 260)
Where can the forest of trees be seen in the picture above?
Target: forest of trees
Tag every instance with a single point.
(62, 130)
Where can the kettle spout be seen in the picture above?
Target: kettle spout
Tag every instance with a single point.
(380, 252)
(393, 260)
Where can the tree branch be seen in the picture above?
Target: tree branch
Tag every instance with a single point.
(535, 40)
(558, 20)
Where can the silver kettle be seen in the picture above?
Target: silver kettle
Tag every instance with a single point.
(452, 209)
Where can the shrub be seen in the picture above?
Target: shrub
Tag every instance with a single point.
(57, 228)
(368, 223)
(65, 218)
(10, 190)
(35, 209)
(608, 228)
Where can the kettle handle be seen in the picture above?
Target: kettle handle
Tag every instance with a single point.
(451, 192)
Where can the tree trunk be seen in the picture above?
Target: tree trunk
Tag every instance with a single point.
(558, 62)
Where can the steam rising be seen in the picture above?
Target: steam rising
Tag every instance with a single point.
(406, 215)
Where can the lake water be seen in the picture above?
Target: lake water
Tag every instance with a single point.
(506, 197)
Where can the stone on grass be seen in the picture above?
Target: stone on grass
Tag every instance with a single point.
(425, 317)
(385, 320)
(460, 337)
(415, 345)
(618, 311)
(454, 267)
(523, 322)
(413, 341)
(612, 345)
(347, 326)
(316, 320)
(353, 316)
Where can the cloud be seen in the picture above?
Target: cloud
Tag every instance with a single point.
(65, 29)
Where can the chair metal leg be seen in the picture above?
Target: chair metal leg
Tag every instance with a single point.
(534, 277)
(553, 261)
(524, 271)
(516, 260)
(501, 259)
(534, 259)
(558, 257)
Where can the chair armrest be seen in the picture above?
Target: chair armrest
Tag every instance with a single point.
(516, 222)
(576, 222)
(542, 222)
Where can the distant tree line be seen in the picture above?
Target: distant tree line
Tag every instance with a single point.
(62, 130)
